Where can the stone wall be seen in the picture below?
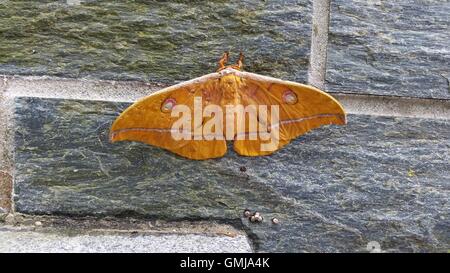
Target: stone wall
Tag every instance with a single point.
(393, 48)
(384, 177)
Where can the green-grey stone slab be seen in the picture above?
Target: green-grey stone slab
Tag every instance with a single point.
(393, 47)
(164, 41)
(378, 179)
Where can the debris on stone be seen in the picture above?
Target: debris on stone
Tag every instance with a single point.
(10, 219)
(2, 216)
(247, 213)
(256, 218)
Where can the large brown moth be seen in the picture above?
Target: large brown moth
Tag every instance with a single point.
(260, 114)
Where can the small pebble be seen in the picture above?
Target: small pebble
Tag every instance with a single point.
(38, 223)
(256, 217)
(275, 221)
(247, 213)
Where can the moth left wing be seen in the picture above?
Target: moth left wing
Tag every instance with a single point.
(149, 120)
(301, 109)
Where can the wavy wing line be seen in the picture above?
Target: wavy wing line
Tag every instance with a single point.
(189, 133)
(161, 130)
(290, 121)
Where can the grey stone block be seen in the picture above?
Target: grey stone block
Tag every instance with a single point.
(399, 48)
(335, 189)
(162, 41)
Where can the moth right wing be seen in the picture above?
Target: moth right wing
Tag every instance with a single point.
(301, 109)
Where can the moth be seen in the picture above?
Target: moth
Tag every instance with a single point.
(196, 118)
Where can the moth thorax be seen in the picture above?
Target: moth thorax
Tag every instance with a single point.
(230, 85)
(230, 97)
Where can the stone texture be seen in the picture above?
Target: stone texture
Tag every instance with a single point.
(164, 41)
(5, 149)
(5, 191)
(319, 43)
(399, 48)
(335, 189)
(26, 241)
